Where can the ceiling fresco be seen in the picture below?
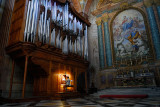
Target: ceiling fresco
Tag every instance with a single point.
(82, 6)
(105, 2)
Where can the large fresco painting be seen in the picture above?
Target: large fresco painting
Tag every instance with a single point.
(129, 35)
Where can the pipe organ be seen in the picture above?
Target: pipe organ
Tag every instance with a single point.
(56, 25)
(48, 36)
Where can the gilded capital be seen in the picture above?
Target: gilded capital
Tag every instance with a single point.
(105, 18)
(124, 5)
(98, 22)
(157, 2)
(148, 3)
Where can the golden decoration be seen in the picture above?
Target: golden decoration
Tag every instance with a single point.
(99, 3)
(124, 5)
(98, 22)
(115, 1)
(148, 3)
(105, 18)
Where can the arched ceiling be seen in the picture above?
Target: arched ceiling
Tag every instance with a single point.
(105, 2)
(82, 6)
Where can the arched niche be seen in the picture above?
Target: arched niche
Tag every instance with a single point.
(130, 35)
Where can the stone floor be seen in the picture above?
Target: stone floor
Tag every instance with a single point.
(93, 100)
(90, 102)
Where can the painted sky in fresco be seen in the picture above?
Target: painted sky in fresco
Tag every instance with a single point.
(129, 35)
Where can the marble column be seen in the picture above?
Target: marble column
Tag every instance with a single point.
(153, 27)
(157, 3)
(100, 44)
(107, 41)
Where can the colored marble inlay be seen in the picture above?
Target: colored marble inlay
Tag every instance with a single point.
(154, 31)
(107, 45)
(101, 50)
(158, 10)
(90, 101)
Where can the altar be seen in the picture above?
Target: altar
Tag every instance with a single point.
(135, 73)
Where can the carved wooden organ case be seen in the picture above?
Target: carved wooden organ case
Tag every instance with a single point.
(49, 39)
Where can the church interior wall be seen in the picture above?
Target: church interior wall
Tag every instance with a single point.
(106, 75)
(93, 40)
(6, 61)
(102, 78)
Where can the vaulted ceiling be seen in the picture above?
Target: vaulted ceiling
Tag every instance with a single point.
(82, 6)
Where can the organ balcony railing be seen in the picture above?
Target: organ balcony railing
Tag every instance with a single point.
(55, 23)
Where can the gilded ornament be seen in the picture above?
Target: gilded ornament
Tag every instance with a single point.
(99, 3)
(148, 3)
(98, 22)
(105, 18)
(124, 5)
(115, 1)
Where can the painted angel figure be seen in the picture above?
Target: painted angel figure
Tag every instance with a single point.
(127, 23)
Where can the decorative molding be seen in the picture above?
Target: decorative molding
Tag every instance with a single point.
(105, 18)
(115, 1)
(148, 3)
(124, 5)
(107, 1)
(99, 3)
(113, 6)
(98, 22)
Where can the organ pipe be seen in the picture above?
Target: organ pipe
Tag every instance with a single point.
(86, 44)
(61, 16)
(27, 19)
(45, 20)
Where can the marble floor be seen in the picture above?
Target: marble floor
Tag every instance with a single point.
(89, 102)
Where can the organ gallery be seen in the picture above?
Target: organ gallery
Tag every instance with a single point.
(48, 39)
